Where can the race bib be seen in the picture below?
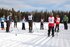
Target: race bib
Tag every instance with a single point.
(58, 20)
(51, 20)
(30, 17)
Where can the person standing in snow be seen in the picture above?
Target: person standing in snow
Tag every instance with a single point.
(57, 22)
(23, 23)
(51, 25)
(41, 24)
(15, 21)
(30, 20)
(8, 21)
(65, 21)
(2, 19)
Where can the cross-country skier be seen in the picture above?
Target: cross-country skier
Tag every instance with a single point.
(51, 25)
(57, 21)
(2, 19)
(30, 22)
(23, 23)
(41, 25)
(65, 21)
(8, 20)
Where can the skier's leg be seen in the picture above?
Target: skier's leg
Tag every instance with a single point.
(41, 25)
(55, 28)
(64, 25)
(14, 24)
(7, 26)
(49, 29)
(67, 26)
(2, 25)
(22, 26)
(58, 28)
(52, 31)
(29, 26)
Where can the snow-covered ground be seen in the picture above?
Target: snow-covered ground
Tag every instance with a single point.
(36, 39)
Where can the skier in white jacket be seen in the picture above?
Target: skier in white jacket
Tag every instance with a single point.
(30, 19)
(23, 23)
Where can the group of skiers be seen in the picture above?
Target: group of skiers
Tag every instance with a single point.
(53, 23)
(7, 20)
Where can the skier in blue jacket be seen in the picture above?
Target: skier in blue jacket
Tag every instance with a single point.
(2, 20)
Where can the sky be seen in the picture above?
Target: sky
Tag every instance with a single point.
(32, 5)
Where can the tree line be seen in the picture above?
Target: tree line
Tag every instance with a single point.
(36, 14)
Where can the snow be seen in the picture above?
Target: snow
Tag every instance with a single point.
(22, 38)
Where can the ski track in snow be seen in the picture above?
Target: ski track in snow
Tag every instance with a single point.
(36, 39)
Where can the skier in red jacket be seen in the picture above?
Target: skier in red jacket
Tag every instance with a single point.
(51, 25)
(57, 21)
